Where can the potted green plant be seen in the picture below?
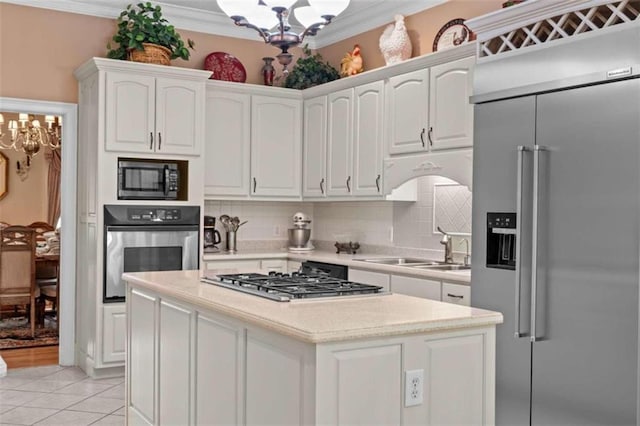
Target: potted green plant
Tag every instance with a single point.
(145, 36)
(310, 71)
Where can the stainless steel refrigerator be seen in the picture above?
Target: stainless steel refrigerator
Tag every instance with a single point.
(564, 166)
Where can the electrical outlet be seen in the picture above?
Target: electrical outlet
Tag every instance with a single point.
(413, 384)
(276, 231)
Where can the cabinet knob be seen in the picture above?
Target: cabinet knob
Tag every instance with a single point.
(455, 296)
(159, 141)
(378, 183)
(255, 184)
(349, 184)
(322, 186)
(429, 135)
(422, 136)
(151, 141)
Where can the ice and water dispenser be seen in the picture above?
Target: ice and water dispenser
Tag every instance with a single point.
(501, 240)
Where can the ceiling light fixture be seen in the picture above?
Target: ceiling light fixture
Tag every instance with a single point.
(270, 18)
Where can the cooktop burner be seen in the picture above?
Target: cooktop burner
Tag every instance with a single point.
(286, 287)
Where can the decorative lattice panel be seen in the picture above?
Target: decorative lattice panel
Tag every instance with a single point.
(562, 26)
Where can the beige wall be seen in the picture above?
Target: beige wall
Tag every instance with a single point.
(41, 48)
(26, 201)
(422, 28)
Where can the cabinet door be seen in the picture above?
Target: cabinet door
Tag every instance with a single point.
(174, 385)
(275, 146)
(450, 112)
(418, 287)
(315, 147)
(142, 347)
(408, 112)
(339, 140)
(130, 112)
(368, 277)
(367, 138)
(179, 116)
(114, 326)
(456, 293)
(227, 144)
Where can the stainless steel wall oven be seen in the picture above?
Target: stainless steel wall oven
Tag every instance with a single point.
(147, 238)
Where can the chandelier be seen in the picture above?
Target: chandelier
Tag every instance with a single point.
(27, 135)
(270, 18)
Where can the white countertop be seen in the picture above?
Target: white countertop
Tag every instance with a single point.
(317, 321)
(460, 277)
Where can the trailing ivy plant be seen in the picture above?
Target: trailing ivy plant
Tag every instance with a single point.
(143, 23)
(310, 71)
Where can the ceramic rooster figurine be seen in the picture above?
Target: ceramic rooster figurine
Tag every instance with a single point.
(351, 64)
(395, 43)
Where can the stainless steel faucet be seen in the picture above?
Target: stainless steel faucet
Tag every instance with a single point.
(467, 257)
(447, 243)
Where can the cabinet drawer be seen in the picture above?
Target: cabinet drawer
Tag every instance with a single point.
(114, 323)
(418, 287)
(456, 293)
(240, 265)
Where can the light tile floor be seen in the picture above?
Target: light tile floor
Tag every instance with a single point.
(55, 395)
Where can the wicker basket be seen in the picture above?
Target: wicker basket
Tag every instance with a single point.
(152, 54)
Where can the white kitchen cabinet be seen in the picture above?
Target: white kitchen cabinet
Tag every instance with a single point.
(142, 343)
(314, 166)
(450, 112)
(174, 384)
(114, 329)
(243, 264)
(407, 111)
(456, 293)
(227, 143)
(418, 287)
(150, 114)
(339, 143)
(368, 109)
(369, 277)
(274, 265)
(276, 146)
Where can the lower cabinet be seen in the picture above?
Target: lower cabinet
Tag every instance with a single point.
(268, 265)
(191, 366)
(114, 321)
(418, 287)
(368, 277)
(456, 293)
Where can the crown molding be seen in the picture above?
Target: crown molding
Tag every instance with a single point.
(375, 14)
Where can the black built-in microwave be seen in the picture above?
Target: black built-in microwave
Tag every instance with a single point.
(140, 179)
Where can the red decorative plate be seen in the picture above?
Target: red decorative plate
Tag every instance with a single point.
(225, 67)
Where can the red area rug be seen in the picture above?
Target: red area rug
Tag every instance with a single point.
(16, 333)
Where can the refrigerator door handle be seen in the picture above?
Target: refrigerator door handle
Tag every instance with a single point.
(519, 208)
(534, 245)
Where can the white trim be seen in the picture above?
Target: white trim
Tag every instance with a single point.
(69, 113)
(372, 14)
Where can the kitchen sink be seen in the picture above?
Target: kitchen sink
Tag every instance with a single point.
(442, 267)
(408, 261)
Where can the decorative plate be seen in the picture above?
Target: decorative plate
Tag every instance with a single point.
(225, 67)
(453, 33)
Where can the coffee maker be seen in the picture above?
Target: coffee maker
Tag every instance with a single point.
(211, 235)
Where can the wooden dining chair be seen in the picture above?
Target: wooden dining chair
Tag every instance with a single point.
(18, 269)
(47, 273)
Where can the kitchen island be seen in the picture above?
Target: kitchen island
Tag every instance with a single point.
(203, 354)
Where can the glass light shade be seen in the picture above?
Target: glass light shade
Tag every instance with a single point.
(60, 121)
(307, 16)
(13, 125)
(236, 7)
(35, 123)
(329, 7)
(279, 3)
(261, 17)
(23, 117)
(1, 119)
(49, 119)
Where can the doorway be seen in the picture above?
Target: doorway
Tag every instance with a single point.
(67, 302)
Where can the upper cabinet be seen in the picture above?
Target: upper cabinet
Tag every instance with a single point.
(450, 112)
(339, 139)
(276, 141)
(151, 114)
(228, 143)
(253, 144)
(408, 112)
(429, 109)
(314, 179)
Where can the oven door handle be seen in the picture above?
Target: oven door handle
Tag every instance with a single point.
(151, 228)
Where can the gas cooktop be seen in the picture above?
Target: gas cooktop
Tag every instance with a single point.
(286, 287)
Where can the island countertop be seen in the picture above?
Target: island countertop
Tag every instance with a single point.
(318, 320)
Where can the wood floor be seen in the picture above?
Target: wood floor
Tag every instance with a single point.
(30, 357)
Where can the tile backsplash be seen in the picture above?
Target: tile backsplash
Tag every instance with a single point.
(409, 225)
